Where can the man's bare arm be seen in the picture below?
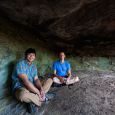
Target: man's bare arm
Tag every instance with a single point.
(69, 73)
(59, 77)
(38, 83)
(28, 84)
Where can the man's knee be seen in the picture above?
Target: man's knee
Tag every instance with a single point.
(50, 80)
(22, 97)
(77, 79)
(56, 80)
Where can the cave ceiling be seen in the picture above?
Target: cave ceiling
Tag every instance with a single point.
(81, 27)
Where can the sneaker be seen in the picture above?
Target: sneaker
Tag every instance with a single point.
(49, 96)
(31, 108)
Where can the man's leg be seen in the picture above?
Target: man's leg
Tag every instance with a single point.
(72, 80)
(24, 95)
(47, 84)
(56, 80)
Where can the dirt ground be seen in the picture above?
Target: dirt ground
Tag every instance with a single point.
(93, 95)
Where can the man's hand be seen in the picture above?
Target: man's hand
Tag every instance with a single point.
(61, 79)
(67, 80)
(39, 95)
(42, 93)
(31, 87)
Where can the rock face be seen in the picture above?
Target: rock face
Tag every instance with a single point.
(93, 95)
(82, 27)
(13, 42)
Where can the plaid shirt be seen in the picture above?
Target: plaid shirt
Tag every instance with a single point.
(23, 67)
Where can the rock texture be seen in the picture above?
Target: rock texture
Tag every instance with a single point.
(93, 95)
(13, 42)
(81, 27)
